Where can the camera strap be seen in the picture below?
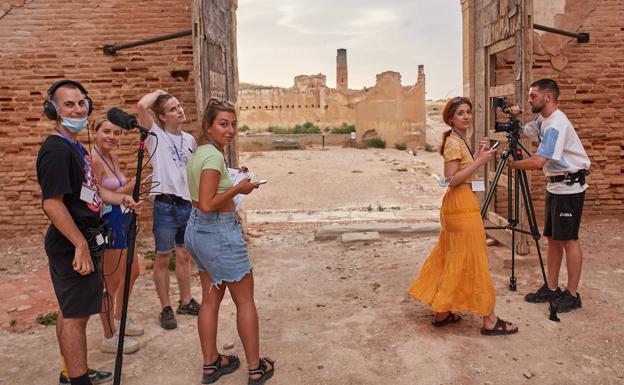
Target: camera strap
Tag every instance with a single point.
(465, 142)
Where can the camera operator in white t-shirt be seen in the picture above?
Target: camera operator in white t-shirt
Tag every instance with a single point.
(563, 160)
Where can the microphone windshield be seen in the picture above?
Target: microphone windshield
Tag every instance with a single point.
(121, 118)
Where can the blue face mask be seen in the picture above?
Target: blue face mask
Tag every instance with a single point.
(75, 125)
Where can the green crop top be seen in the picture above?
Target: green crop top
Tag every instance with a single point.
(206, 157)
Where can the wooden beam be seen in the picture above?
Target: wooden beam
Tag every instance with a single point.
(503, 89)
(502, 45)
(502, 181)
(215, 63)
(502, 236)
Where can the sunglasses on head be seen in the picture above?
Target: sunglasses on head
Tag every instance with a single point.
(220, 102)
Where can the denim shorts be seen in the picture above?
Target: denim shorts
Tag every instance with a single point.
(169, 224)
(215, 241)
(119, 224)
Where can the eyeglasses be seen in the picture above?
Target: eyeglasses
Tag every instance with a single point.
(220, 102)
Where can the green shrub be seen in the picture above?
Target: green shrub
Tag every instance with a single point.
(306, 128)
(48, 318)
(243, 128)
(375, 143)
(343, 129)
(400, 146)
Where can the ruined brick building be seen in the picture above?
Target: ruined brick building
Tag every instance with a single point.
(388, 110)
(590, 75)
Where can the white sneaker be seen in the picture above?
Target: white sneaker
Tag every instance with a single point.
(109, 345)
(132, 327)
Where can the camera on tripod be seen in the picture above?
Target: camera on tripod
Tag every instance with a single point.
(512, 125)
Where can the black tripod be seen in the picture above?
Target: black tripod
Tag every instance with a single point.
(516, 184)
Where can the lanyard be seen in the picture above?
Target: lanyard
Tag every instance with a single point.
(82, 153)
(466, 143)
(174, 146)
(112, 168)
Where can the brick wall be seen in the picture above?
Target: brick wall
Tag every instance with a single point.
(47, 40)
(591, 78)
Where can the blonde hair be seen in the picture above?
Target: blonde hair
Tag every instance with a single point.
(99, 120)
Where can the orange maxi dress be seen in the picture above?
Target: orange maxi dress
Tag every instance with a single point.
(456, 276)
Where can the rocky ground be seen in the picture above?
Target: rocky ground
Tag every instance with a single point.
(335, 313)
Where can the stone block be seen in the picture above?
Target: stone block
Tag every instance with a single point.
(335, 231)
(368, 236)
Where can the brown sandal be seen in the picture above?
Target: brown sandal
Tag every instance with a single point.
(451, 318)
(499, 329)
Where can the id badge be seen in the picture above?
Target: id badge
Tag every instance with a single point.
(87, 194)
(478, 185)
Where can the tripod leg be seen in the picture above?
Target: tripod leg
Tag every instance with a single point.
(492, 188)
(530, 211)
(510, 219)
(513, 222)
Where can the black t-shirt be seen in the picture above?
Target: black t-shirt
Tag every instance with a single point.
(61, 171)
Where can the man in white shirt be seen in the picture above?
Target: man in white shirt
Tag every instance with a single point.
(563, 160)
(170, 150)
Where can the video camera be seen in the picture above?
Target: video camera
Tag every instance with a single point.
(512, 125)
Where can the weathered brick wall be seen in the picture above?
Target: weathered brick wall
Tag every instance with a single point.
(46, 40)
(591, 78)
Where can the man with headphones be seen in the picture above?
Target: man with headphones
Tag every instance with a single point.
(72, 200)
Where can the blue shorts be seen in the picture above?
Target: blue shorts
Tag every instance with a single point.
(215, 241)
(169, 224)
(118, 223)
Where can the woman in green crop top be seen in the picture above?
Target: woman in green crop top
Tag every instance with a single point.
(215, 240)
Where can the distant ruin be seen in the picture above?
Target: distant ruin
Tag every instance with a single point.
(388, 110)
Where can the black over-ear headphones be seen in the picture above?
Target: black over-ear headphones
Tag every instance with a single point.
(48, 107)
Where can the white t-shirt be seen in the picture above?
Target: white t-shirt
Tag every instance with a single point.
(560, 144)
(170, 155)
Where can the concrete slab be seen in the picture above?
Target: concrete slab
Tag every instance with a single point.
(335, 230)
(504, 254)
(367, 236)
(342, 215)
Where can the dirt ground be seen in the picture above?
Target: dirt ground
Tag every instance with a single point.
(338, 314)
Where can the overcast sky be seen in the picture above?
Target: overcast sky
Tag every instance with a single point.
(279, 39)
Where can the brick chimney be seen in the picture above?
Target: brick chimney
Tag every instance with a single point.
(342, 75)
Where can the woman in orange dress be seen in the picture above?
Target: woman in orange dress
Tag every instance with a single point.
(456, 276)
